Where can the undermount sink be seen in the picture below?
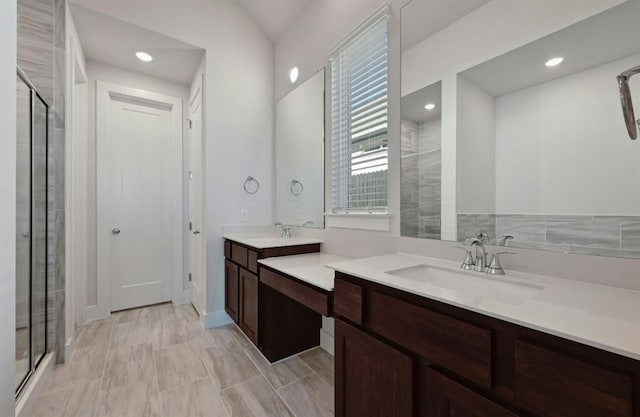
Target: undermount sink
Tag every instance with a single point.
(471, 283)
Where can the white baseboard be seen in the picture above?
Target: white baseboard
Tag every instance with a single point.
(68, 350)
(94, 313)
(37, 381)
(327, 342)
(215, 319)
(181, 298)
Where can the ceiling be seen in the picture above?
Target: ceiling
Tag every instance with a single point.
(114, 42)
(423, 18)
(274, 16)
(603, 38)
(412, 105)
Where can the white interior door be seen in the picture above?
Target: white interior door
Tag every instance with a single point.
(139, 203)
(196, 284)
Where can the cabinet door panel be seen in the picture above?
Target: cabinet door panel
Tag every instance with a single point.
(231, 290)
(448, 398)
(552, 384)
(372, 378)
(249, 305)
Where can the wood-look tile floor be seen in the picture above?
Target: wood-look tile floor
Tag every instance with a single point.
(158, 361)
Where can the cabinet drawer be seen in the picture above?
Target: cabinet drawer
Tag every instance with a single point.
(347, 301)
(239, 254)
(316, 300)
(459, 346)
(227, 249)
(252, 261)
(552, 384)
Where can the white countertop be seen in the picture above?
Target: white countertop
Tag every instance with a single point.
(604, 317)
(309, 268)
(270, 241)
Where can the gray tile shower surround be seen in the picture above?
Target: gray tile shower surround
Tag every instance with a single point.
(616, 236)
(420, 198)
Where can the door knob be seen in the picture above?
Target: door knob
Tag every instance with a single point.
(115, 231)
(196, 232)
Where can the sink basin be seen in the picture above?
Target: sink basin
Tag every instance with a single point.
(473, 284)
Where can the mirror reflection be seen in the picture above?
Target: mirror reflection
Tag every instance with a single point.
(421, 147)
(300, 155)
(543, 152)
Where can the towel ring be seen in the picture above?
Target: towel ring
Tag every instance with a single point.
(294, 191)
(249, 180)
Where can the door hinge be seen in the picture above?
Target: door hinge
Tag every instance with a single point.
(190, 226)
(189, 276)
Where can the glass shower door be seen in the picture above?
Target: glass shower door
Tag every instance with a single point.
(39, 229)
(31, 231)
(23, 232)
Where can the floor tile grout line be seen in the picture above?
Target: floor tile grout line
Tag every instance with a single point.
(218, 392)
(269, 382)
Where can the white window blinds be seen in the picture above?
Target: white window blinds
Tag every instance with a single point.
(359, 74)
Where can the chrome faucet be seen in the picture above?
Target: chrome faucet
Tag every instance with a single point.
(504, 240)
(480, 263)
(481, 259)
(286, 232)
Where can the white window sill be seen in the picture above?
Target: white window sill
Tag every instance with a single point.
(380, 222)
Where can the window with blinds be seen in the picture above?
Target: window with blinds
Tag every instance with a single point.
(359, 78)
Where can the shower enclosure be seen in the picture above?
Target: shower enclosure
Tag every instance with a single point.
(31, 230)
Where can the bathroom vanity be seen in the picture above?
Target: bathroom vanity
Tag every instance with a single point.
(279, 313)
(408, 344)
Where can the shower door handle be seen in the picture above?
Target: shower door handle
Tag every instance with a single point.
(115, 231)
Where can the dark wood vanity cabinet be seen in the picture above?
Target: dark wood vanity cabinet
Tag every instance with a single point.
(243, 287)
(399, 354)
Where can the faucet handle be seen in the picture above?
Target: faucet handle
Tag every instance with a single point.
(469, 263)
(483, 236)
(504, 240)
(495, 268)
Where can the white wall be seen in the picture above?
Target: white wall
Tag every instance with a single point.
(476, 150)
(102, 72)
(562, 147)
(239, 116)
(8, 21)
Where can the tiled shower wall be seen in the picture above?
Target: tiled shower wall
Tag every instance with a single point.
(420, 195)
(617, 236)
(41, 55)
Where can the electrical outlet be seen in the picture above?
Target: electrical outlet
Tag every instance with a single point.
(244, 215)
(298, 214)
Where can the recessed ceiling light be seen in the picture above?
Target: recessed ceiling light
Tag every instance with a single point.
(554, 61)
(293, 74)
(143, 56)
(430, 106)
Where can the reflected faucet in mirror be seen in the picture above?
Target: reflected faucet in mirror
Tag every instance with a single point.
(627, 102)
(286, 231)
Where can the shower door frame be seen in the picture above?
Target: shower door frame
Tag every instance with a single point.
(34, 362)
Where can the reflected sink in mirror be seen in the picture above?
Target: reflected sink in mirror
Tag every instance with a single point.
(475, 284)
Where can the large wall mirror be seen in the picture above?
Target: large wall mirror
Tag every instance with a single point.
(300, 155)
(542, 152)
